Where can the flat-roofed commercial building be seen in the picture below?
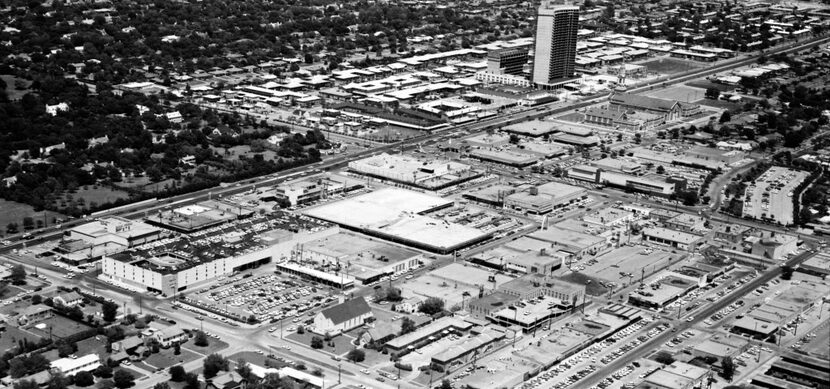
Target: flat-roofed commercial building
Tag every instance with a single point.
(510, 60)
(427, 174)
(427, 334)
(818, 265)
(801, 370)
(678, 375)
(363, 259)
(545, 198)
(469, 348)
(721, 347)
(397, 215)
(182, 264)
(621, 165)
(115, 230)
(311, 189)
(662, 289)
(637, 183)
(509, 157)
(677, 239)
(577, 244)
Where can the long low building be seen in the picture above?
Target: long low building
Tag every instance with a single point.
(545, 198)
(424, 335)
(427, 174)
(677, 239)
(476, 345)
(183, 264)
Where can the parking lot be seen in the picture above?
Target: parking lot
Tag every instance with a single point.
(770, 196)
(572, 370)
(269, 297)
(628, 264)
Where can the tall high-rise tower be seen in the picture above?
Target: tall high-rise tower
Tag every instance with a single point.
(555, 49)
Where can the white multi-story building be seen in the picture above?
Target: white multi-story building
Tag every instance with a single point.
(555, 48)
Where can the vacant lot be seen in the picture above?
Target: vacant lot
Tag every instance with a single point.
(13, 212)
(12, 84)
(668, 65)
(678, 93)
(59, 327)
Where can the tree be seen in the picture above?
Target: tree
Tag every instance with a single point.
(26, 384)
(103, 371)
(123, 379)
(431, 306)
(192, 381)
(213, 364)
(407, 325)
(316, 342)
(712, 93)
(84, 379)
(200, 339)
(661, 170)
(393, 294)
(356, 355)
(243, 369)
(787, 272)
(162, 385)
(28, 223)
(105, 384)
(18, 275)
(109, 310)
(638, 138)
(177, 373)
(728, 368)
(664, 358)
(725, 117)
(445, 384)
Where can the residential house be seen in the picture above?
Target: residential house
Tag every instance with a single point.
(68, 299)
(70, 366)
(34, 314)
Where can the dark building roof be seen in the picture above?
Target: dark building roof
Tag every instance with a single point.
(645, 102)
(347, 310)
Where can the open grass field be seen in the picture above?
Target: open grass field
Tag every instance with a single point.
(11, 89)
(12, 335)
(100, 195)
(667, 65)
(722, 104)
(14, 212)
(575, 117)
(61, 327)
(678, 92)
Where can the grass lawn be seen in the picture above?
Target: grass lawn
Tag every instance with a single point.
(11, 90)
(593, 289)
(670, 65)
(706, 84)
(719, 104)
(165, 358)
(342, 343)
(61, 327)
(100, 195)
(575, 117)
(10, 291)
(134, 372)
(14, 212)
(213, 346)
(12, 334)
(256, 359)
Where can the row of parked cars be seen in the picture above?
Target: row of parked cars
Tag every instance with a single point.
(587, 354)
